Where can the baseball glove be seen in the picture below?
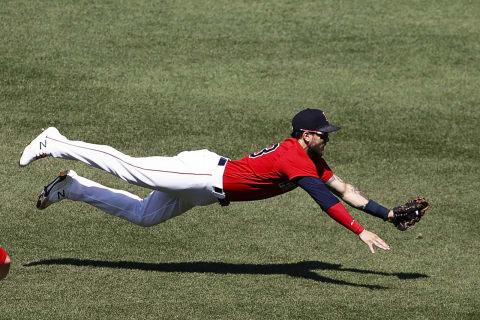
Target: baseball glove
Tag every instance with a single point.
(410, 213)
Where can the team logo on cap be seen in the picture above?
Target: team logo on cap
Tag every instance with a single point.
(325, 115)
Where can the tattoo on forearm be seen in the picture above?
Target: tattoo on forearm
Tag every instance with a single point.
(347, 192)
(361, 194)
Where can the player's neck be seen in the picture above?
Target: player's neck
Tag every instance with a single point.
(311, 154)
(303, 144)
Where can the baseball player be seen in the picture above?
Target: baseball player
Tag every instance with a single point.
(202, 177)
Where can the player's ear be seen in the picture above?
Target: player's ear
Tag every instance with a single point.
(306, 136)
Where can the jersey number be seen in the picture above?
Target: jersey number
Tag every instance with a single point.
(264, 151)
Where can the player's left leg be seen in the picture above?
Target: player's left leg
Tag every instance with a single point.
(157, 207)
(192, 174)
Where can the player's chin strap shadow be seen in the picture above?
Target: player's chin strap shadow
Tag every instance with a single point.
(303, 269)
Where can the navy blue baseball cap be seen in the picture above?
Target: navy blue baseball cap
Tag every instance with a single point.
(312, 119)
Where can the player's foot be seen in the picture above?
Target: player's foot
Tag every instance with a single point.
(38, 148)
(57, 190)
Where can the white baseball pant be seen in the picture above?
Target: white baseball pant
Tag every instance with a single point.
(191, 178)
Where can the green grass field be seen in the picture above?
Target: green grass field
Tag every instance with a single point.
(402, 79)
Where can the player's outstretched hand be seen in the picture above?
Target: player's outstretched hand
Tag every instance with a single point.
(372, 239)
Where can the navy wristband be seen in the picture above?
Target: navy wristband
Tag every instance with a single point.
(376, 210)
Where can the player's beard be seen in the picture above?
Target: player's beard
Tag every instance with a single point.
(315, 154)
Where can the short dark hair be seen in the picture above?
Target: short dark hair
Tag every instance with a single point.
(296, 134)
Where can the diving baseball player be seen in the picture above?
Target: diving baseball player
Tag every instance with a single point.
(202, 177)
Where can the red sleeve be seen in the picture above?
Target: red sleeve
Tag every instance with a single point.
(324, 171)
(296, 164)
(3, 255)
(341, 215)
(297, 167)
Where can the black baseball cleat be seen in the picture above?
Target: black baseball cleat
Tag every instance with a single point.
(57, 190)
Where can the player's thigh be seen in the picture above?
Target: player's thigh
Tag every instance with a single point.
(160, 206)
(189, 170)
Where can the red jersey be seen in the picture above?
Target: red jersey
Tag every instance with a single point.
(269, 172)
(3, 255)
